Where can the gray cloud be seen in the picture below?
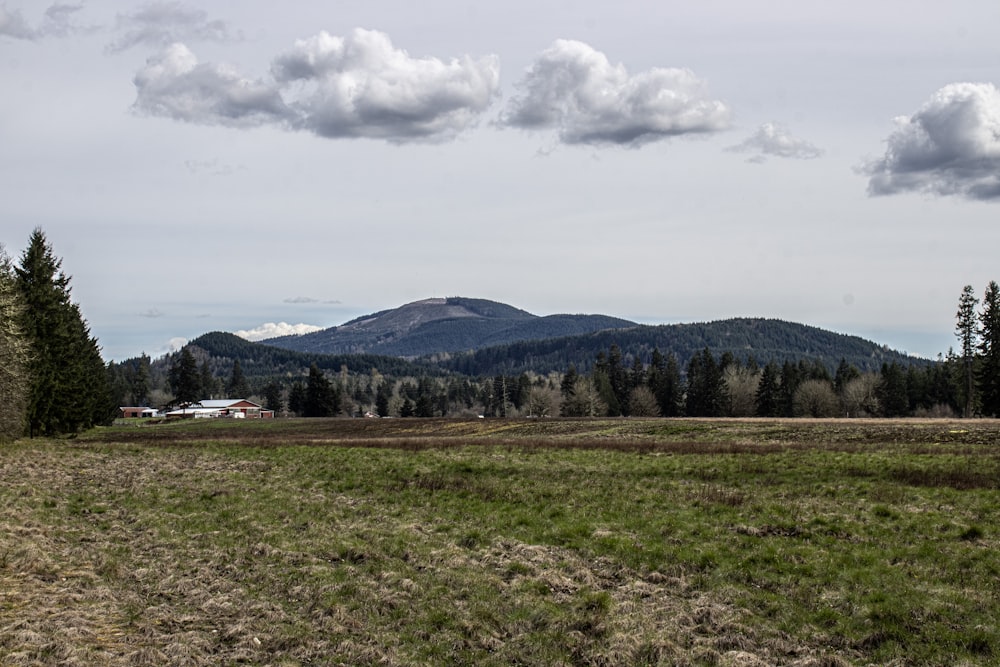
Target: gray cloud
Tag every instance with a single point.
(771, 139)
(57, 22)
(950, 146)
(355, 86)
(163, 23)
(301, 299)
(362, 86)
(175, 85)
(573, 88)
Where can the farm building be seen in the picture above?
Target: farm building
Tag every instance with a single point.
(238, 408)
(131, 412)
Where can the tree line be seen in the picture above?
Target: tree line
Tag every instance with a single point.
(52, 377)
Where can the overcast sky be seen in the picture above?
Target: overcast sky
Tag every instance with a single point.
(220, 166)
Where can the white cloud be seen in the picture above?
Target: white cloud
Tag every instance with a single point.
(775, 140)
(174, 84)
(356, 86)
(176, 344)
(362, 86)
(57, 22)
(573, 88)
(163, 23)
(950, 146)
(273, 330)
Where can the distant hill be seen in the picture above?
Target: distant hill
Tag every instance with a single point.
(762, 339)
(446, 325)
(479, 337)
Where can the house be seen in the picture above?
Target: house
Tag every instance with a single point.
(133, 412)
(238, 408)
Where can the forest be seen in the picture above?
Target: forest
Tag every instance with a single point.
(54, 381)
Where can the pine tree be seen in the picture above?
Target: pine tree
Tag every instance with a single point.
(769, 400)
(69, 387)
(967, 332)
(184, 378)
(237, 386)
(272, 397)
(322, 398)
(14, 354)
(988, 375)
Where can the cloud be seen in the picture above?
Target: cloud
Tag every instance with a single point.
(362, 86)
(950, 146)
(174, 84)
(160, 24)
(300, 299)
(57, 22)
(351, 87)
(273, 330)
(774, 140)
(152, 313)
(574, 89)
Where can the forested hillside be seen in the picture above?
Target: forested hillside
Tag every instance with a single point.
(761, 339)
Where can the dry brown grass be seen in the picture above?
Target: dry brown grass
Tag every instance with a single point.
(164, 548)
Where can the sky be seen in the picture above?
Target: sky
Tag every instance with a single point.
(267, 168)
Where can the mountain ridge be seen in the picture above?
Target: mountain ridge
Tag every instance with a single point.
(437, 325)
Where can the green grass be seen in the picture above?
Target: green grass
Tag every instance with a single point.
(496, 543)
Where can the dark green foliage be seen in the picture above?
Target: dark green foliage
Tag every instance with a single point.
(705, 387)
(14, 354)
(664, 379)
(893, 396)
(297, 398)
(237, 387)
(322, 399)
(763, 339)
(68, 379)
(185, 379)
(769, 398)
(967, 332)
(988, 372)
(272, 395)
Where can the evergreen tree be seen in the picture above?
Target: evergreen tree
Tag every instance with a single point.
(382, 398)
(69, 387)
(297, 398)
(988, 373)
(14, 354)
(967, 332)
(892, 391)
(184, 378)
(665, 382)
(706, 395)
(769, 400)
(272, 397)
(238, 387)
(208, 384)
(322, 399)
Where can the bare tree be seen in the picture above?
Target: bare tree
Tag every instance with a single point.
(642, 402)
(815, 398)
(741, 390)
(859, 397)
(14, 354)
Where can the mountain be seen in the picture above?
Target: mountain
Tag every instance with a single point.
(447, 325)
(477, 337)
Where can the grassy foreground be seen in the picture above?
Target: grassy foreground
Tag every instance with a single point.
(433, 542)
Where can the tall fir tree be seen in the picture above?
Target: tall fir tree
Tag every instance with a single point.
(69, 388)
(322, 399)
(988, 372)
(967, 331)
(238, 387)
(184, 378)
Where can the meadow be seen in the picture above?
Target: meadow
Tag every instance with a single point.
(503, 542)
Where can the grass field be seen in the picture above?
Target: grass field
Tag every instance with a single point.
(494, 542)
